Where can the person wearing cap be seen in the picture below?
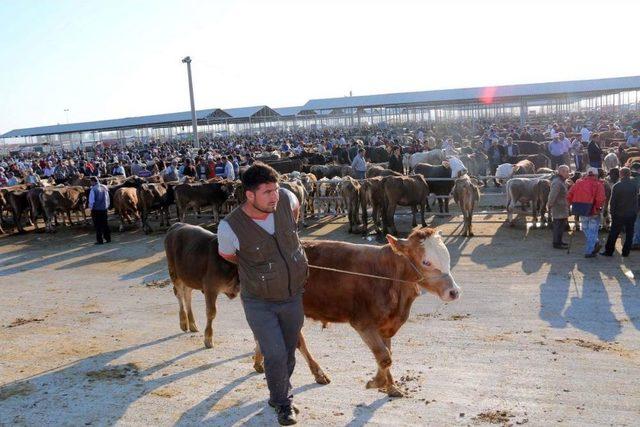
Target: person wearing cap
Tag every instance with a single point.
(99, 203)
(359, 164)
(587, 197)
(624, 210)
(558, 206)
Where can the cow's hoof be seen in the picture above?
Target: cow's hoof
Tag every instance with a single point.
(193, 327)
(511, 224)
(392, 391)
(374, 383)
(321, 377)
(470, 235)
(183, 326)
(121, 229)
(259, 368)
(208, 342)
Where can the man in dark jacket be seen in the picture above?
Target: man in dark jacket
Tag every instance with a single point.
(624, 208)
(496, 155)
(595, 152)
(512, 151)
(395, 160)
(99, 203)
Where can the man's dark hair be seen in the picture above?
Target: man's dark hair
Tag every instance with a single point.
(258, 173)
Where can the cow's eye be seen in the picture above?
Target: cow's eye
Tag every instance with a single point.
(426, 263)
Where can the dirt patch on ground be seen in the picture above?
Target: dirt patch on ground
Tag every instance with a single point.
(22, 389)
(158, 283)
(114, 372)
(20, 321)
(595, 346)
(494, 417)
(459, 316)
(165, 392)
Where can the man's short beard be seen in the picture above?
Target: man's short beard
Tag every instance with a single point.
(262, 210)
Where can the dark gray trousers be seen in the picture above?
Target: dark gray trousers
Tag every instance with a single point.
(275, 326)
(559, 226)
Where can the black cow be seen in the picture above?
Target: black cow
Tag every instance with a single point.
(439, 188)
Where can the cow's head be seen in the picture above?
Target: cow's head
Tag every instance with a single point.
(426, 250)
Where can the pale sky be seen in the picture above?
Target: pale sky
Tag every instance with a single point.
(111, 59)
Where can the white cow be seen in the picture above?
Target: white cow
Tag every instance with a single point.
(433, 157)
(610, 161)
(457, 167)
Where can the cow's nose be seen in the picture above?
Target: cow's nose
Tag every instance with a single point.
(454, 294)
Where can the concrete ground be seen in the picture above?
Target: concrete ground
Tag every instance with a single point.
(90, 336)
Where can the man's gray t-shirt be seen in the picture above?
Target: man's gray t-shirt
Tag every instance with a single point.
(228, 242)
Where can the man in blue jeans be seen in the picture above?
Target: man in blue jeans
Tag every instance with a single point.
(587, 198)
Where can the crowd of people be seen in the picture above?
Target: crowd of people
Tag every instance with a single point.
(568, 138)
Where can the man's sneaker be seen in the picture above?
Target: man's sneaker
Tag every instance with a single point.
(561, 246)
(286, 415)
(606, 254)
(293, 405)
(591, 255)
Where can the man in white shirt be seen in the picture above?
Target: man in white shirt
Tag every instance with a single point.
(228, 169)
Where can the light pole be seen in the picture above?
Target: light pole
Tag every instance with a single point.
(194, 122)
(66, 110)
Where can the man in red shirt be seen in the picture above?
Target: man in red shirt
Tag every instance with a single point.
(587, 198)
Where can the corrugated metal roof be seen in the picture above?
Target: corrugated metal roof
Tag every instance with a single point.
(127, 122)
(288, 111)
(246, 112)
(476, 93)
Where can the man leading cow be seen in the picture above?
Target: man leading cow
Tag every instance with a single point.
(261, 237)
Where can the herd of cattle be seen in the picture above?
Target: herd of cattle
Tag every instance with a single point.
(321, 184)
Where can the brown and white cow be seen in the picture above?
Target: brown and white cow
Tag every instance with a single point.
(375, 308)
